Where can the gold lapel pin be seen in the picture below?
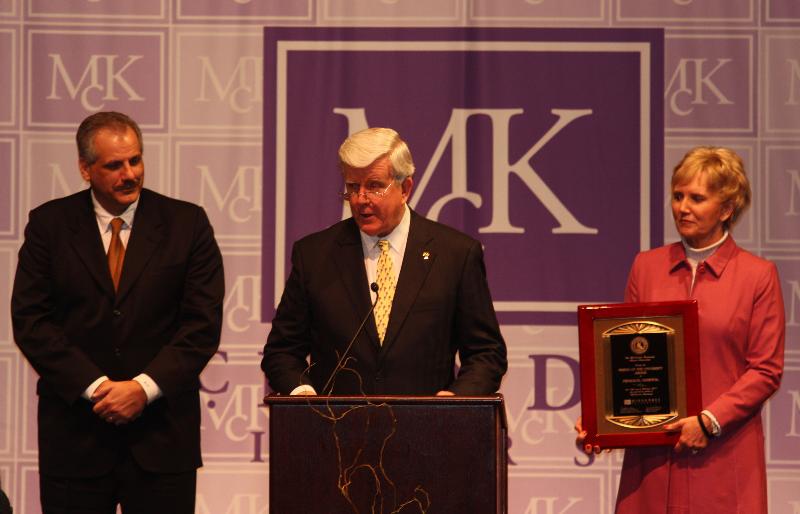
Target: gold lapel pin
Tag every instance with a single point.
(426, 255)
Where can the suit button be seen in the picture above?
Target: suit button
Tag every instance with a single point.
(117, 312)
(378, 378)
(117, 352)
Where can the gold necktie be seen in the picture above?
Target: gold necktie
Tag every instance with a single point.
(116, 252)
(386, 285)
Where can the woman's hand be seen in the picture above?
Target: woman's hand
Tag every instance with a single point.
(692, 436)
(588, 449)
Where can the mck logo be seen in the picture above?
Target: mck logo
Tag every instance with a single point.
(101, 80)
(559, 179)
(116, 71)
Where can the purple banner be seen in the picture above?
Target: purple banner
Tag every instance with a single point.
(685, 11)
(510, 145)
(73, 73)
(7, 8)
(781, 11)
(244, 11)
(710, 83)
(8, 188)
(8, 77)
(96, 9)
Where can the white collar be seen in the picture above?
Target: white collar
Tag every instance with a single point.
(701, 254)
(397, 237)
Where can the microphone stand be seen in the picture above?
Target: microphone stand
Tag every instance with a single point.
(374, 287)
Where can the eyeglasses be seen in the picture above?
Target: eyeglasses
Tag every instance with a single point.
(369, 193)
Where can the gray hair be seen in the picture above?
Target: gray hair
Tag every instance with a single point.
(367, 146)
(96, 122)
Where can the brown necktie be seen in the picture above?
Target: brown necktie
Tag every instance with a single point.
(116, 252)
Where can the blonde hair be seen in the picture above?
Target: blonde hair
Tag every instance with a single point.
(725, 176)
(367, 146)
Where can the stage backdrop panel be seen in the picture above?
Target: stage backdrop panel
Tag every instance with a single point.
(493, 118)
(545, 128)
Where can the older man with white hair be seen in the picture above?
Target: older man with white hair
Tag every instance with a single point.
(427, 283)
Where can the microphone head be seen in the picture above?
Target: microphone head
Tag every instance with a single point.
(374, 287)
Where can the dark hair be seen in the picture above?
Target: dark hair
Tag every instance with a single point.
(97, 121)
(5, 505)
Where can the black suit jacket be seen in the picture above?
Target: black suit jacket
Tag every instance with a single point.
(164, 321)
(441, 306)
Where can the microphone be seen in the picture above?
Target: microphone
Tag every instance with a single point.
(374, 287)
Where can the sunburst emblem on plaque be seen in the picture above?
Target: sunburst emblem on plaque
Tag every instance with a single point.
(638, 327)
(641, 421)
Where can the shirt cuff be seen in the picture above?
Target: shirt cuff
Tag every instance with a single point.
(151, 389)
(716, 429)
(87, 394)
(305, 388)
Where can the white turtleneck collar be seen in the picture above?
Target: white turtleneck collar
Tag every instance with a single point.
(694, 256)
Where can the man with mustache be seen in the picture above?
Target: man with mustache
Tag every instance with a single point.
(117, 305)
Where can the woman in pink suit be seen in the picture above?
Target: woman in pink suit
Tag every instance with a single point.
(718, 465)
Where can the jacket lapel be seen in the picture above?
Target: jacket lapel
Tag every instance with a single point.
(87, 243)
(722, 256)
(350, 262)
(417, 262)
(146, 235)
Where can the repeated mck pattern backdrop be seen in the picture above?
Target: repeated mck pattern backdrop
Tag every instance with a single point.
(198, 75)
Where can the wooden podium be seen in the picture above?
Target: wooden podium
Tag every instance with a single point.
(388, 454)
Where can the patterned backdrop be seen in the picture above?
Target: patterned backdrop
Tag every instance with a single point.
(192, 72)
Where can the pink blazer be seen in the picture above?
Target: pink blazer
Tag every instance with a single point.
(741, 348)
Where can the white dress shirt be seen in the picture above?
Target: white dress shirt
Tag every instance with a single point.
(104, 218)
(369, 244)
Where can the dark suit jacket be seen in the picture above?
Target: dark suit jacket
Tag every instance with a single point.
(164, 321)
(441, 306)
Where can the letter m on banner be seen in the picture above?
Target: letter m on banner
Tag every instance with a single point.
(546, 145)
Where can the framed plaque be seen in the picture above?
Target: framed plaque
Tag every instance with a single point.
(640, 369)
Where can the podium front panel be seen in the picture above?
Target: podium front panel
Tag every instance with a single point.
(382, 455)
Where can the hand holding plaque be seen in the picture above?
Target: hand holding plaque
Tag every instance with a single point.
(640, 370)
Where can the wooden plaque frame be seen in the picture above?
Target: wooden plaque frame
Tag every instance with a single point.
(677, 324)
